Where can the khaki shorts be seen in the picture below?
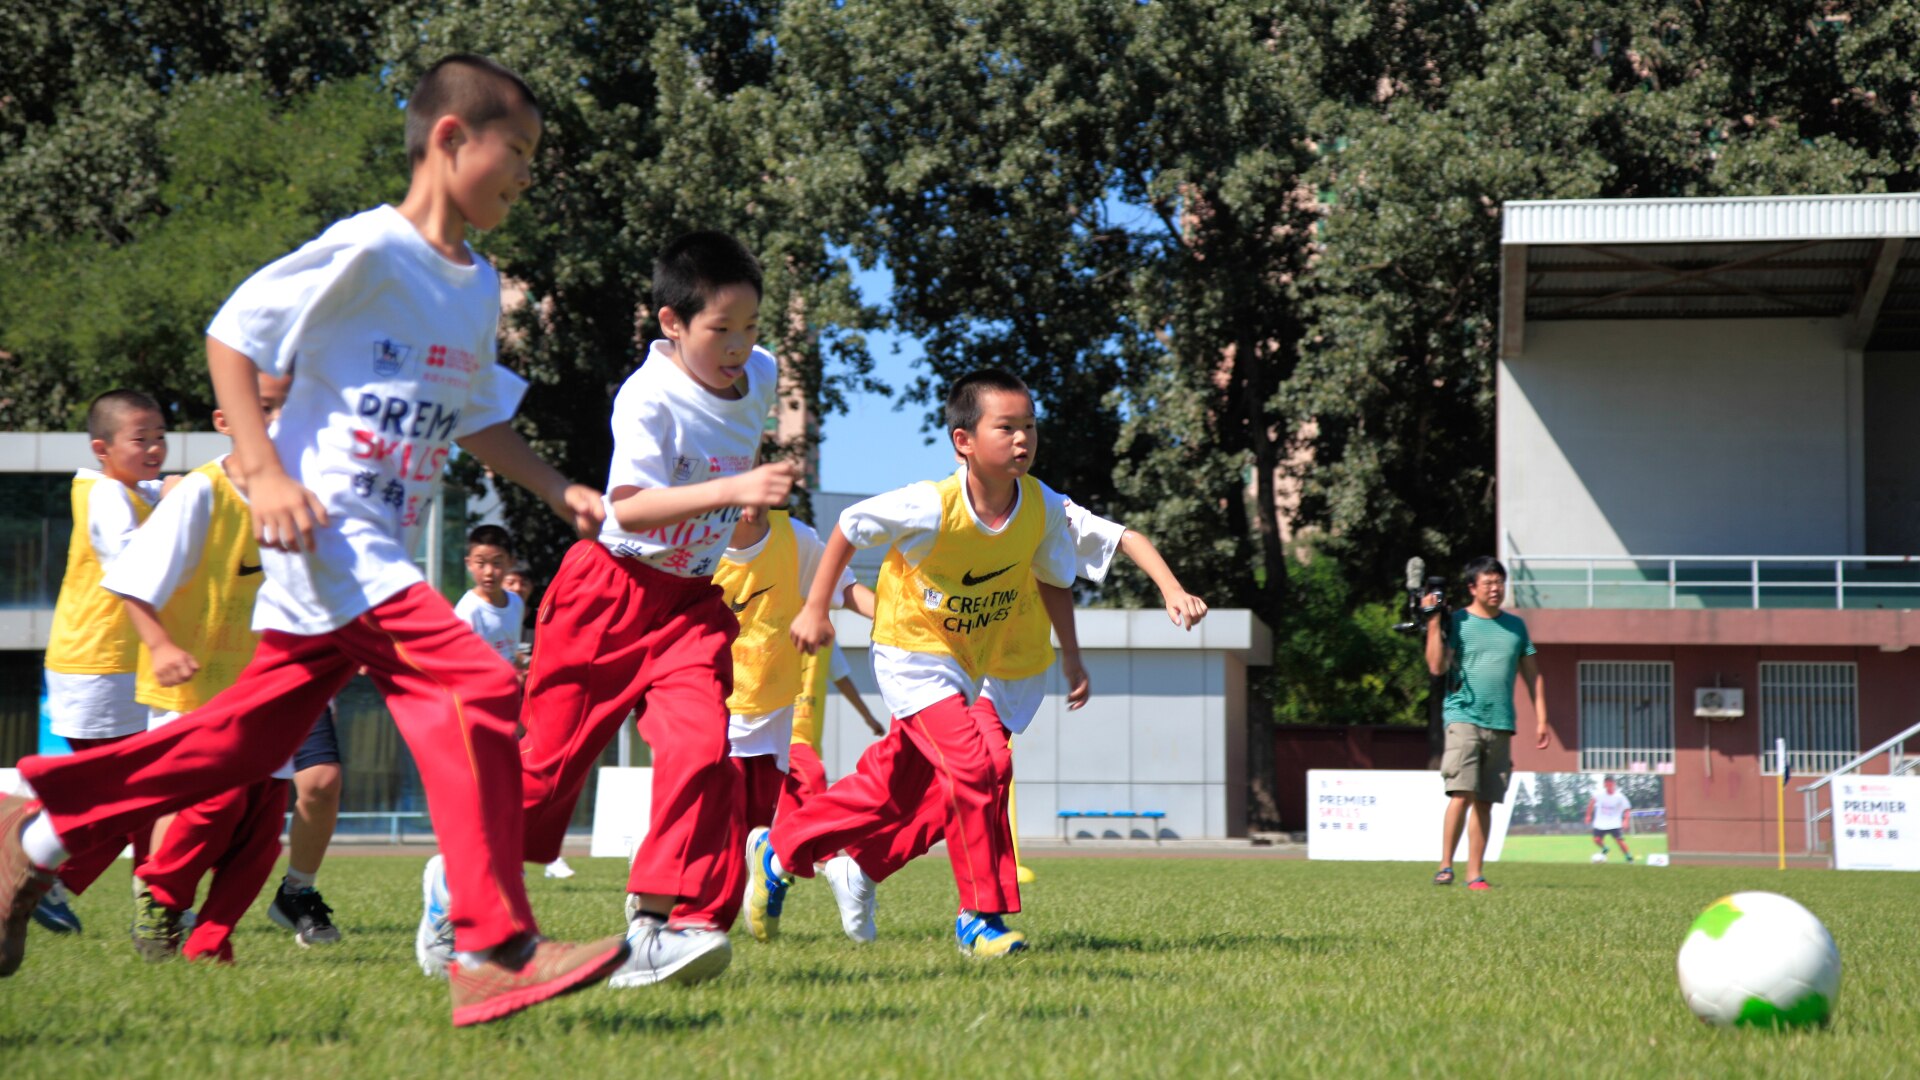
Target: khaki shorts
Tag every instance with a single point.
(1477, 760)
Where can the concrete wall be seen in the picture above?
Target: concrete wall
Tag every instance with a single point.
(1691, 437)
(1166, 728)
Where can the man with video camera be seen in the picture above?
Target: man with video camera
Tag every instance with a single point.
(1479, 649)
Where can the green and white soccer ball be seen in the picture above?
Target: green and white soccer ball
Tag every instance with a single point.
(1598, 856)
(1758, 959)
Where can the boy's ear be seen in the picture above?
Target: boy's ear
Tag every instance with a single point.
(99, 447)
(220, 421)
(962, 442)
(671, 324)
(448, 134)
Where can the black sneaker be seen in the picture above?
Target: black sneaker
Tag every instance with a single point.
(305, 914)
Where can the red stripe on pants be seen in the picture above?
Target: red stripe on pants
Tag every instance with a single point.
(85, 867)
(942, 771)
(235, 836)
(615, 635)
(451, 697)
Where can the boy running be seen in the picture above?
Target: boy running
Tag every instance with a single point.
(495, 612)
(388, 323)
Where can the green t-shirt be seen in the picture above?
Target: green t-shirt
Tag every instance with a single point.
(1486, 659)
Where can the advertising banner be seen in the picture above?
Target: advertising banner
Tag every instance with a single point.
(1386, 815)
(622, 804)
(1876, 823)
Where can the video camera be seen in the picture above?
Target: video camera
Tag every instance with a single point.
(1419, 586)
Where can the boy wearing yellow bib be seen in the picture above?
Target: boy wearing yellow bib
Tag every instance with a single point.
(188, 580)
(92, 652)
(769, 562)
(965, 559)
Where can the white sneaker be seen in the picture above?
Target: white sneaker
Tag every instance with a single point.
(433, 940)
(558, 868)
(854, 891)
(661, 955)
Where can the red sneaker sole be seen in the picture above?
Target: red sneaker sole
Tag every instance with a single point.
(506, 1005)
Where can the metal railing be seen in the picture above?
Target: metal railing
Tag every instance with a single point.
(1721, 581)
(1898, 764)
(396, 833)
(1615, 759)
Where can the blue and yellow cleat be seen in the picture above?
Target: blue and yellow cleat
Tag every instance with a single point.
(987, 936)
(766, 890)
(55, 912)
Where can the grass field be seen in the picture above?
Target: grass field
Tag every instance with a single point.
(1578, 848)
(1170, 967)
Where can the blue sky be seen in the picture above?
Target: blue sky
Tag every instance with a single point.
(874, 447)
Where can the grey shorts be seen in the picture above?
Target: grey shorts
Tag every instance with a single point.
(1477, 761)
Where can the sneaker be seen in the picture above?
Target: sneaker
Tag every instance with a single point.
(558, 868)
(987, 935)
(766, 891)
(1479, 884)
(21, 884)
(304, 913)
(433, 940)
(1629, 858)
(549, 969)
(55, 911)
(854, 892)
(156, 929)
(661, 955)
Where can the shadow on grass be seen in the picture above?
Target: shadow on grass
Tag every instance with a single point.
(1223, 941)
(826, 975)
(612, 1020)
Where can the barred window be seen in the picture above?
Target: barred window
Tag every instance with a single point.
(1815, 707)
(1626, 716)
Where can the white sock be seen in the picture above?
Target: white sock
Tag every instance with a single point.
(297, 880)
(778, 870)
(42, 843)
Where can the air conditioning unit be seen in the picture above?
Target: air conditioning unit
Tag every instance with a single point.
(1719, 703)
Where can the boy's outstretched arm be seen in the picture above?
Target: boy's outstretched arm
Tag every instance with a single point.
(812, 629)
(852, 694)
(284, 513)
(858, 598)
(1185, 609)
(637, 509)
(501, 449)
(1059, 605)
(172, 665)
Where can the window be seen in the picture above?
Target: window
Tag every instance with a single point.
(1815, 707)
(1626, 716)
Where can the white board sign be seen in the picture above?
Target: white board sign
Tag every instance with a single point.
(622, 806)
(1385, 815)
(1876, 823)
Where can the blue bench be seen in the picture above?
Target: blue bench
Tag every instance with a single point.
(1067, 816)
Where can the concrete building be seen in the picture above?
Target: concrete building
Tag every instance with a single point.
(1709, 479)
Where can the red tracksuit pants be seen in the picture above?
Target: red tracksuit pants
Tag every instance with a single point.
(945, 770)
(86, 867)
(760, 783)
(235, 836)
(615, 636)
(450, 694)
(806, 777)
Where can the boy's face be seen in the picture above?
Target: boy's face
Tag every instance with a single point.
(712, 347)
(1489, 590)
(1003, 443)
(516, 583)
(138, 447)
(489, 566)
(490, 165)
(273, 395)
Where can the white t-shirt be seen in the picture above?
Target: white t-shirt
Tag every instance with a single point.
(111, 523)
(394, 353)
(165, 551)
(670, 431)
(771, 733)
(499, 627)
(908, 519)
(1610, 811)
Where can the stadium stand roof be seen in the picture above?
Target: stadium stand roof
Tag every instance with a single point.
(1851, 257)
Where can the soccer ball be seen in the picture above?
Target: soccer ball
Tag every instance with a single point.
(1598, 856)
(1758, 959)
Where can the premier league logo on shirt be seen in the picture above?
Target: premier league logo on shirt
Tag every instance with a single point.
(932, 597)
(389, 357)
(682, 469)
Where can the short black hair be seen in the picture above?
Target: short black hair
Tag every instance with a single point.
(491, 536)
(473, 88)
(107, 410)
(695, 266)
(1485, 564)
(963, 397)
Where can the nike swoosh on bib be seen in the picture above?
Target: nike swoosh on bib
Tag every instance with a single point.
(245, 570)
(970, 581)
(741, 605)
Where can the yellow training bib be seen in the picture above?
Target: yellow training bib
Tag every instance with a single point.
(810, 707)
(973, 596)
(91, 632)
(765, 594)
(211, 614)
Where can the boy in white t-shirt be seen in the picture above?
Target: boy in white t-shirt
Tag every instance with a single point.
(389, 324)
(1607, 816)
(494, 612)
(633, 619)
